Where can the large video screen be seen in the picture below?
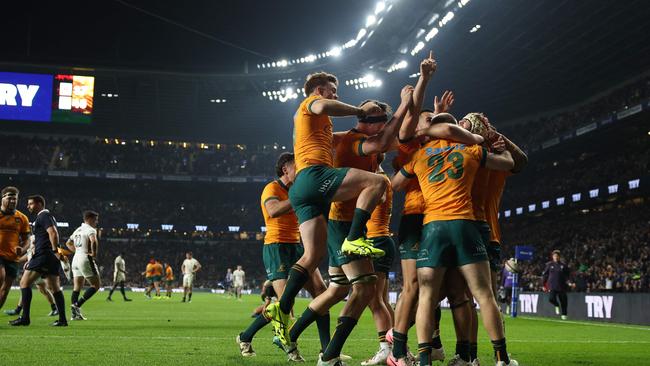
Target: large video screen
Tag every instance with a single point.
(46, 98)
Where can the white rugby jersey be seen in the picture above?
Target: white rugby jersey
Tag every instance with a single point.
(81, 239)
(190, 265)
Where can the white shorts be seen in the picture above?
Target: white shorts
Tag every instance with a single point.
(238, 284)
(84, 266)
(188, 280)
(119, 277)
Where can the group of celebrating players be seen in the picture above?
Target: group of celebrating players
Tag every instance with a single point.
(332, 196)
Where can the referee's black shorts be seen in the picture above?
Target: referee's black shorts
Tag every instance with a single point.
(47, 264)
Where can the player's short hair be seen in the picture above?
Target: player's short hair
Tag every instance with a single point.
(384, 106)
(319, 79)
(556, 252)
(426, 110)
(37, 198)
(444, 118)
(90, 215)
(9, 189)
(284, 158)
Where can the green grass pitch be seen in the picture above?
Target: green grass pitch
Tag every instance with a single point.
(161, 332)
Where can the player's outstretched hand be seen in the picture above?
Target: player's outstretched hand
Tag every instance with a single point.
(407, 94)
(428, 66)
(444, 103)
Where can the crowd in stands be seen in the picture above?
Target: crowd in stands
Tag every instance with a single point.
(613, 155)
(137, 156)
(607, 250)
(534, 132)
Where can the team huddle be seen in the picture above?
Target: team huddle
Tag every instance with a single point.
(333, 197)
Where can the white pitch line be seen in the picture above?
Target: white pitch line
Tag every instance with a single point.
(606, 325)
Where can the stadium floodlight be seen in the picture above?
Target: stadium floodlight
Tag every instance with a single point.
(634, 184)
(546, 204)
(434, 17)
(446, 19)
(576, 197)
(335, 51)
(350, 43)
(612, 189)
(532, 207)
(263, 229)
(559, 201)
(475, 28)
(507, 213)
(519, 210)
(418, 47)
(370, 20)
(397, 66)
(462, 3)
(361, 34)
(413, 76)
(593, 193)
(432, 33)
(380, 7)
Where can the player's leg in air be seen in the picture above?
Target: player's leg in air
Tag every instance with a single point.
(311, 209)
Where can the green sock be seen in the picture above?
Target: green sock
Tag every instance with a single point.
(500, 352)
(298, 276)
(358, 226)
(343, 330)
(399, 344)
(424, 351)
(323, 323)
(473, 351)
(249, 333)
(308, 316)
